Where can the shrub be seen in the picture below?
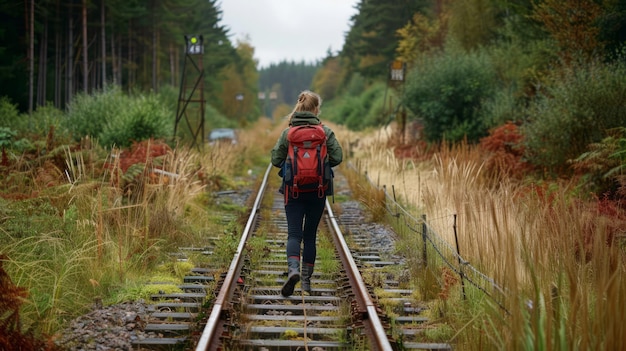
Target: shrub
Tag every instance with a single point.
(502, 108)
(144, 118)
(6, 140)
(117, 119)
(88, 114)
(371, 111)
(46, 117)
(9, 115)
(350, 111)
(356, 85)
(447, 92)
(215, 119)
(575, 110)
(378, 113)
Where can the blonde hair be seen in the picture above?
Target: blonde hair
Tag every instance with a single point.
(307, 101)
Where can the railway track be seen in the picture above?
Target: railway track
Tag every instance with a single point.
(360, 299)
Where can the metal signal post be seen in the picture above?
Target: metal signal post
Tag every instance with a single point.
(191, 102)
(397, 73)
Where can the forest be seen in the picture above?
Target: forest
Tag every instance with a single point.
(471, 66)
(537, 86)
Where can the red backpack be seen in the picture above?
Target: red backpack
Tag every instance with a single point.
(307, 157)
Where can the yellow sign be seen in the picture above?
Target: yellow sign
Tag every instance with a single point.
(397, 65)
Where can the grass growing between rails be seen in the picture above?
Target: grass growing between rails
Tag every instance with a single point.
(559, 258)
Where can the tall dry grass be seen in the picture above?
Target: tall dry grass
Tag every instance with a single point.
(116, 229)
(564, 280)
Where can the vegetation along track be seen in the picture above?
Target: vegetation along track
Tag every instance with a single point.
(360, 300)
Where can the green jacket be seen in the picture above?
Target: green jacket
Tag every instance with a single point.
(279, 152)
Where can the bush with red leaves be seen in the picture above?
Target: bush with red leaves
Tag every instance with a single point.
(504, 152)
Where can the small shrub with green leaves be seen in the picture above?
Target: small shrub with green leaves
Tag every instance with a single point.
(9, 115)
(144, 118)
(447, 92)
(118, 119)
(378, 113)
(47, 118)
(88, 114)
(349, 112)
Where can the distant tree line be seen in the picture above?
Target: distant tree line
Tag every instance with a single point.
(287, 79)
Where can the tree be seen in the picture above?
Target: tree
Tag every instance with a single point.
(240, 85)
(472, 22)
(327, 80)
(132, 37)
(612, 25)
(291, 77)
(103, 42)
(371, 42)
(421, 36)
(85, 50)
(573, 26)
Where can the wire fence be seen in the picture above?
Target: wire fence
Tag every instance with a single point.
(437, 252)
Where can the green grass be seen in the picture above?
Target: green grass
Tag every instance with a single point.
(76, 237)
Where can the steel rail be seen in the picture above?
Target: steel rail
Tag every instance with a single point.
(210, 338)
(367, 308)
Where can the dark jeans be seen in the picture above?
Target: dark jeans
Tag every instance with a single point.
(303, 217)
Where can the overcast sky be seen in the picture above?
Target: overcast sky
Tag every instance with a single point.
(293, 30)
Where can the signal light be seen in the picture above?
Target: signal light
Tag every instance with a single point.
(194, 44)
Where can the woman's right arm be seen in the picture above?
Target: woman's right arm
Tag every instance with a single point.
(279, 151)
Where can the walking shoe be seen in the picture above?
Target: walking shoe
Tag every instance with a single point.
(307, 273)
(293, 276)
(290, 284)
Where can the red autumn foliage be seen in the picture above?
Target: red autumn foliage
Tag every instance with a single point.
(614, 224)
(418, 151)
(11, 336)
(504, 152)
(139, 153)
(142, 152)
(449, 280)
(409, 145)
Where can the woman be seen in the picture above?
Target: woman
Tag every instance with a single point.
(305, 210)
